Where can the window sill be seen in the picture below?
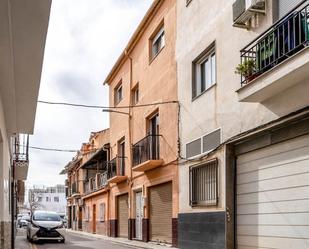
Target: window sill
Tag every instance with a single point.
(206, 90)
(153, 58)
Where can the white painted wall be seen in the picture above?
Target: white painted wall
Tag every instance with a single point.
(4, 169)
(51, 205)
(198, 25)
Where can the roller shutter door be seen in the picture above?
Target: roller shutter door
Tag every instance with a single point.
(273, 196)
(160, 201)
(122, 214)
(286, 5)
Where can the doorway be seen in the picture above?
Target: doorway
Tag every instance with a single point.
(94, 219)
(80, 219)
(138, 215)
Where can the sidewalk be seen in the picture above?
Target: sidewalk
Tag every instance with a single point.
(21, 241)
(123, 241)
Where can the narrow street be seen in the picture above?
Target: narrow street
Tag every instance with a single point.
(72, 242)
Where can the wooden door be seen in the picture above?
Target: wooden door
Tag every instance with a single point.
(94, 219)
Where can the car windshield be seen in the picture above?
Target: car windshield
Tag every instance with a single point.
(46, 217)
(25, 217)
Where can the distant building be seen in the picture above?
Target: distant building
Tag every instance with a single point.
(49, 199)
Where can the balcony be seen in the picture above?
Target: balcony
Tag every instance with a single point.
(278, 59)
(75, 189)
(146, 154)
(21, 156)
(116, 170)
(95, 183)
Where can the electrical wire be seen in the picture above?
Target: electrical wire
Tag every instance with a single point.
(106, 107)
(51, 149)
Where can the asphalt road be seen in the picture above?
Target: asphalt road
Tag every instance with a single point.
(73, 242)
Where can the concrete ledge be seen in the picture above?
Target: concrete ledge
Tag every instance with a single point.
(123, 241)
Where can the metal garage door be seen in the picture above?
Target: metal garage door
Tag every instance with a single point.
(286, 5)
(122, 214)
(160, 201)
(273, 197)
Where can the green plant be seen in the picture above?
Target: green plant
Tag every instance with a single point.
(246, 68)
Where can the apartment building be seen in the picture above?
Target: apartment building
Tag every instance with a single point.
(49, 199)
(243, 173)
(23, 28)
(87, 184)
(143, 137)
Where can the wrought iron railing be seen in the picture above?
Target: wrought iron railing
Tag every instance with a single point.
(146, 149)
(286, 37)
(102, 179)
(116, 167)
(21, 147)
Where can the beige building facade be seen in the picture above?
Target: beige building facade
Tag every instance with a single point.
(242, 136)
(144, 135)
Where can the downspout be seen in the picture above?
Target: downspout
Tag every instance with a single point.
(130, 140)
(106, 148)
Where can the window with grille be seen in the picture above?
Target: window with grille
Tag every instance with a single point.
(87, 213)
(204, 184)
(102, 212)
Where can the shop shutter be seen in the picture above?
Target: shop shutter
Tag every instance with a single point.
(160, 204)
(122, 213)
(273, 196)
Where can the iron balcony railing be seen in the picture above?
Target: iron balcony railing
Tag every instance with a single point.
(286, 37)
(21, 148)
(146, 149)
(116, 167)
(102, 180)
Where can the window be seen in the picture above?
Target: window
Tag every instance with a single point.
(56, 199)
(118, 94)
(40, 199)
(47, 199)
(157, 42)
(135, 95)
(204, 184)
(87, 213)
(204, 72)
(102, 212)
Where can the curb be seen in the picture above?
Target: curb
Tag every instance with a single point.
(102, 237)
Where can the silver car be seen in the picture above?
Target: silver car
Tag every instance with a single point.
(45, 225)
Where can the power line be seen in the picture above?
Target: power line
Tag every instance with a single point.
(106, 107)
(51, 149)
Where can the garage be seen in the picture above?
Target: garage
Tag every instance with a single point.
(160, 205)
(122, 214)
(273, 196)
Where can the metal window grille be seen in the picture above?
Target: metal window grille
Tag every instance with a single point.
(204, 184)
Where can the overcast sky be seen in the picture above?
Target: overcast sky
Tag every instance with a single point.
(85, 38)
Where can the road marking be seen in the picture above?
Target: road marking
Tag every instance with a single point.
(33, 246)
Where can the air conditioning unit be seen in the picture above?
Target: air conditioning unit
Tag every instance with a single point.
(244, 10)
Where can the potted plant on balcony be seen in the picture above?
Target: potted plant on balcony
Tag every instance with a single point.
(246, 69)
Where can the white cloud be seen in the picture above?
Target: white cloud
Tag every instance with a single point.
(85, 37)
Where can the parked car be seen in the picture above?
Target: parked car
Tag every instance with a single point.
(23, 220)
(45, 225)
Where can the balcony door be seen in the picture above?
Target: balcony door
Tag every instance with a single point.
(121, 155)
(154, 136)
